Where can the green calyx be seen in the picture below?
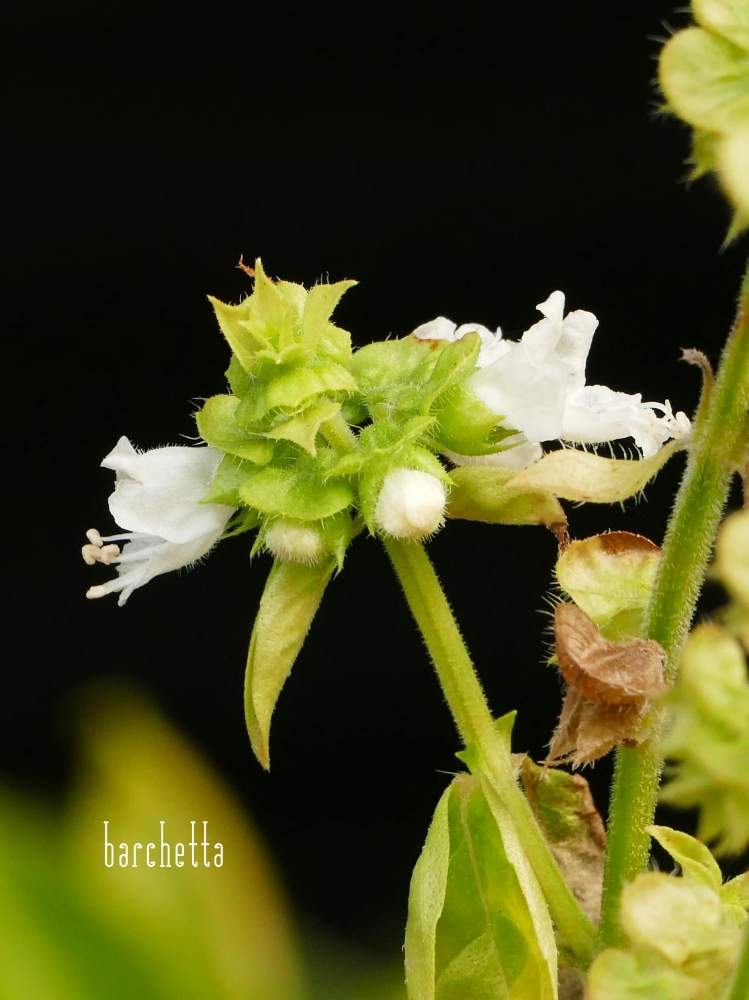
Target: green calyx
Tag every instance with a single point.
(288, 379)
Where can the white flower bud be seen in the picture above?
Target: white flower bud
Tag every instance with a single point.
(411, 504)
(295, 541)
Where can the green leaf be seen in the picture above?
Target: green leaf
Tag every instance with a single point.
(471, 930)
(729, 18)
(732, 163)
(694, 858)
(579, 475)
(732, 556)
(229, 476)
(295, 386)
(295, 492)
(217, 424)
(456, 360)
(231, 321)
(239, 381)
(610, 577)
(706, 80)
(618, 975)
(467, 426)
(303, 429)
(409, 375)
(735, 892)
(486, 493)
(318, 308)
(566, 813)
(290, 601)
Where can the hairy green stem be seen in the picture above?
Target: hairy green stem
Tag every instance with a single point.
(739, 988)
(467, 702)
(686, 552)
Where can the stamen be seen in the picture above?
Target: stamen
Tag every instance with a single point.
(139, 554)
(106, 554)
(94, 537)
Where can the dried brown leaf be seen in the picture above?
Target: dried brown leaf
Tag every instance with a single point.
(608, 673)
(608, 688)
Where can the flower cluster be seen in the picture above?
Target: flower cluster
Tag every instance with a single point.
(314, 442)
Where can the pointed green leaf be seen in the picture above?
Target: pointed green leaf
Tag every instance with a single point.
(729, 18)
(488, 493)
(579, 475)
(456, 360)
(467, 426)
(303, 429)
(706, 80)
(290, 601)
(294, 387)
(319, 306)
(231, 321)
(471, 928)
(217, 423)
(294, 493)
(694, 858)
(239, 381)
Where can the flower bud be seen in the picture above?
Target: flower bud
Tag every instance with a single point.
(411, 504)
(295, 541)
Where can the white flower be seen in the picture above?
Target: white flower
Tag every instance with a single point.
(156, 500)
(537, 385)
(411, 504)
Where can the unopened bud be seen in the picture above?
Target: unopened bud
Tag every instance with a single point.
(411, 504)
(295, 541)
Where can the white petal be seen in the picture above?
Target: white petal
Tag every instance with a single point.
(436, 329)
(121, 459)
(596, 413)
(163, 496)
(553, 307)
(529, 396)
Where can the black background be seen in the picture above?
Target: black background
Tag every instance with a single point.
(456, 168)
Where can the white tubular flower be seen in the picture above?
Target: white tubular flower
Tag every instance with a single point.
(411, 504)
(537, 385)
(295, 541)
(156, 500)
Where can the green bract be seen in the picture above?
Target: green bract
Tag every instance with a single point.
(290, 601)
(684, 933)
(477, 924)
(704, 74)
(708, 742)
(400, 379)
(610, 577)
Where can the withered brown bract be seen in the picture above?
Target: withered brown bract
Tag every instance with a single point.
(608, 688)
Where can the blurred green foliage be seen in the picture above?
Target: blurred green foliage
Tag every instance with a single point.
(73, 929)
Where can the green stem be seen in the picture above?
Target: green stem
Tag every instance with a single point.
(686, 552)
(739, 988)
(338, 433)
(475, 724)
